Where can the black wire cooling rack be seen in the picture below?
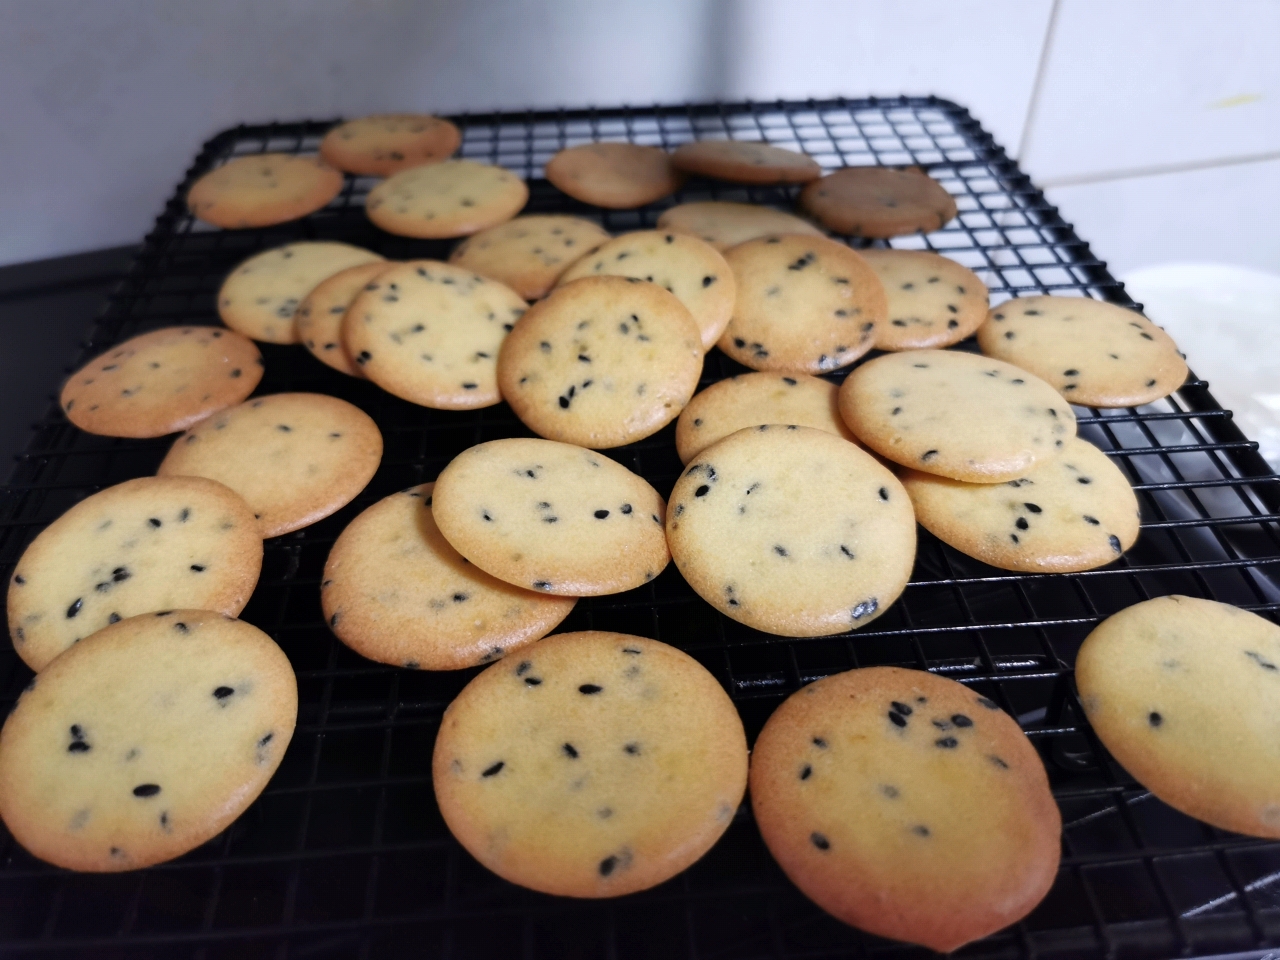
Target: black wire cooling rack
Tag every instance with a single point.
(345, 855)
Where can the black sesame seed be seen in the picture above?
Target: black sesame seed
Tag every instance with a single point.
(897, 719)
(806, 772)
(988, 703)
(820, 743)
(532, 681)
(601, 514)
(570, 751)
(625, 508)
(1154, 719)
(77, 746)
(494, 770)
(75, 607)
(928, 455)
(920, 830)
(819, 841)
(1115, 543)
(223, 692)
(946, 743)
(702, 491)
(146, 790)
(884, 493)
(607, 865)
(901, 708)
(1094, 521)
(196, 568)
(590, 688)
(960, 720)
(1021, 523)
(632, 748)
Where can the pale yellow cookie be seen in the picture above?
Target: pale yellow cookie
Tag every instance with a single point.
(725, 225)
(450, 199)
(429, 332)
(387, 143)
(689, 268)
(318, 321)
(261, 296)
(755, 398)
(529, 253)
(933, 302)
(395, 591)
(263, 189)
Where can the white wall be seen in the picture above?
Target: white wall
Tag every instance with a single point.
(105, 102)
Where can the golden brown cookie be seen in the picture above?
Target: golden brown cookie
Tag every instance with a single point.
(396, 592)
(602, 362)
(161, 382)
(725, 225)
(933, 302)
(449, 199)
(387, 143)
(529, 253)
(751, 399)
(686, 266)
(318, 322)
(615, 175)
(429, 332)
(744, 161)
(294, 457)
(804, 305)
(878, 202)
(590, 765)
(1185, 693)
(907, 805)
(1094, 353)
(263, 189)
(551, 517)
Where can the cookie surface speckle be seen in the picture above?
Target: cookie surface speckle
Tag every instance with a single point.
(449, 199)
(590, 765)
(263, 189)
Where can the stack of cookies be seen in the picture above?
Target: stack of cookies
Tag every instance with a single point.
(595, 764)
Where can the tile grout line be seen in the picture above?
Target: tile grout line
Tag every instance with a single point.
(1156, 170)
(1037, 85)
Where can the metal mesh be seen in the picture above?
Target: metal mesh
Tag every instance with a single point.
(345, 855)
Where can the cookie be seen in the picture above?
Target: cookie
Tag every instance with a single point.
(725, 225)
(142, 545)
(294, 457)
(755, 398)
(263, 189)
(386, 143)
(551, 517)
(260, 297)
(146, 740)
(614, 175)
(878, 202)
(955, 414)
(804, 305)
(745, 162)
(318, 322)
(590, 765)
(1075, 511)
(161, 382)
(601, 362)
(792, 531)
(429, 332)
(686, 266)
(529, 253)
(1185, 693)
(1094, 353)
(933, 302)
(906, 805)
(450, 199)
(396, 592)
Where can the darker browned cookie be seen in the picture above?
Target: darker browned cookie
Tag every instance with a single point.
(745, 162)
(878, 202)
(614, 175)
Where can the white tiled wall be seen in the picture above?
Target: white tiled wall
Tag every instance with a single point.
(105, 103)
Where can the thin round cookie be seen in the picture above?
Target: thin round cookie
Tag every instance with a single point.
(591, 765)
(529, 253)
(396, 592)
(1094, 353)
(743, 161)
(551, 517)
(689, 268)
(142, 545)
(1185, 693)
(615, 175)
(261, 296)
(933, 302)
(146, 740)
(601, 362)
(1075, 511)
(429, 332)
(751, 399)
(724, 225)
(294, 457)
(161, 382)
(386, 143)
(792, 531)
(263, 189)
(450, 199)
(956, 414)
(318, 322)
(804, 305)
(906, 805)
(878, 202)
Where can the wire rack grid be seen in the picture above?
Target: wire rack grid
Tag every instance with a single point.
(345, 854)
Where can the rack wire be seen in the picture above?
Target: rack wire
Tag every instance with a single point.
(345, 854)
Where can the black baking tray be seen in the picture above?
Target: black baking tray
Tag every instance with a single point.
(345, 854)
